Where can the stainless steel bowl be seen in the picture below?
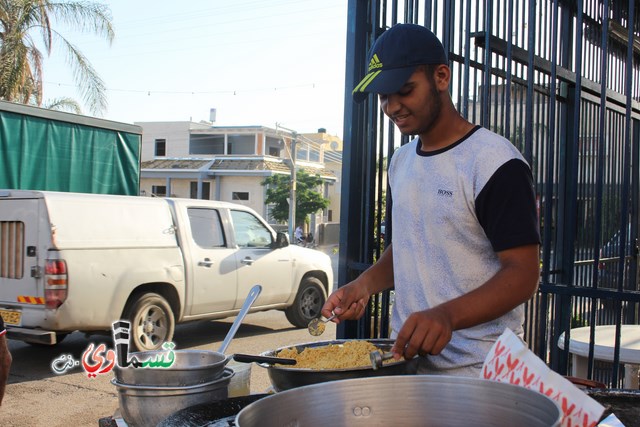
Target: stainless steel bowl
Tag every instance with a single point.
(190, 367)
(415, 400)
(143, 406)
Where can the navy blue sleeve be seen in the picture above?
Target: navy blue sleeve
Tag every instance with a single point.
(506, 207)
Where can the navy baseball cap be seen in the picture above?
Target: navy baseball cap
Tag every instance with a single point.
(395, 56)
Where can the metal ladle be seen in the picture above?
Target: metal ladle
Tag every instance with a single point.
(377, 358)
(254, 292)
(318, 325)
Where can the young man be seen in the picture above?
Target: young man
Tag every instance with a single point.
(464, 256)
(297, 234)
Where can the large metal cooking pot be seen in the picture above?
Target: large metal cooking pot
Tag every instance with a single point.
(285, 377)
(190, 367)
(143, 406)
(415, 400)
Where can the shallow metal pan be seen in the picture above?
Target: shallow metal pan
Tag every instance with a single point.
(285, 377)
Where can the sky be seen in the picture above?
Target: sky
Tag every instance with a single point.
(256, 62)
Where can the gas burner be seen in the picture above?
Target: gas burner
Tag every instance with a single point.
(215, 414)
(221, 413)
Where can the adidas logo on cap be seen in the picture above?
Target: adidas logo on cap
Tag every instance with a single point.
(374, 63)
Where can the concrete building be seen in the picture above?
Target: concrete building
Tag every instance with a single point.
(201, 161)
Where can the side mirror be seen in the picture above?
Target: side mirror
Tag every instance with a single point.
(282, 240)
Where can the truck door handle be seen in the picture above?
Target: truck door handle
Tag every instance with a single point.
(247, 261)
(36, 272)
(206, 263)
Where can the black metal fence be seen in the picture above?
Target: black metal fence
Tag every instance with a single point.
(561, 80)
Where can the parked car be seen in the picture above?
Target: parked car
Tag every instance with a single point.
(79, 262)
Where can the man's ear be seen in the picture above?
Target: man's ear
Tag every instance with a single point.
(442, 76)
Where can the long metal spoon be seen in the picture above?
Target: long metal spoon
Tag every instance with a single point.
(251, 297)
(318, 325)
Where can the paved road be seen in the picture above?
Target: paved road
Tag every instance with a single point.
(36, 396)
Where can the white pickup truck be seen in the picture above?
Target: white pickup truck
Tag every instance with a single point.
(78, 262)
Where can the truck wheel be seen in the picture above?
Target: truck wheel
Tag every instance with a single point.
(308, 303)
(152, 322)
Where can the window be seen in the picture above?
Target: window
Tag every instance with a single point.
(159, 190)
(161, 147)
(206, 228)
(250, 232)
(307, 152)
(206, 190)
(314, 155)
(240, 195)
(206, 144)
(302, 152)
(241, 144)
(274, 151)
(273, 146)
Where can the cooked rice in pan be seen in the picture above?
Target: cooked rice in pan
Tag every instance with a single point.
(350, 354)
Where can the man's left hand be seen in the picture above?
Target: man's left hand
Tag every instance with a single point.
(424, 332)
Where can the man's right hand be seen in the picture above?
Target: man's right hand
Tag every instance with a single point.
(348, 302)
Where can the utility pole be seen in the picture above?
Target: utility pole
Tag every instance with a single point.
(292, 196)
(292, 191)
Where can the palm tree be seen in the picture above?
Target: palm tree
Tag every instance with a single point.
(63, 104)
(21, 59)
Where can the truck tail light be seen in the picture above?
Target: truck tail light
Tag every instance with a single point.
(55, 287)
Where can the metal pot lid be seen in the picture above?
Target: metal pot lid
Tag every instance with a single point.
(404, 400)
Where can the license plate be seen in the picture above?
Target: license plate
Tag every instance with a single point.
(11, 317)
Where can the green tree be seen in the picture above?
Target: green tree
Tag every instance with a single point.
(308, 199)
(21, 71)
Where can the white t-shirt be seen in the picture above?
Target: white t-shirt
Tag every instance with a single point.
(453, 209)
